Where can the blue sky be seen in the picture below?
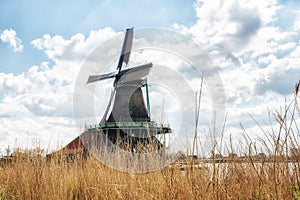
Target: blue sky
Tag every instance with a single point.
(31, 19)
(254, 45)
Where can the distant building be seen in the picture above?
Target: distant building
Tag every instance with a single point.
(218, 156)
(261, 156)
(232, 155)
(295, 152)
(74, 150)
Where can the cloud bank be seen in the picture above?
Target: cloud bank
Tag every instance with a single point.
(9, 36)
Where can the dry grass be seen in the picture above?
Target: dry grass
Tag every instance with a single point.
(37, 179)
(32, 177)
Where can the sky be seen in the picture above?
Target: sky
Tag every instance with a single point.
(253, 44)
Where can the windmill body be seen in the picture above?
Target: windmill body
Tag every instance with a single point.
(126, 122)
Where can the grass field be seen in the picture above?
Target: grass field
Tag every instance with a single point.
(36, 179)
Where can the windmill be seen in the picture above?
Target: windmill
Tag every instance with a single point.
(126, 121)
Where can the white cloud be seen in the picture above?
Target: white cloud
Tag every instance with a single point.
(10, 36)
(76, 48)
(242, 38)
(296, 53)
(227, 24)
(30, 131)
(297, 25)
(257, 57)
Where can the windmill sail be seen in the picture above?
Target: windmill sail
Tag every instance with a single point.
(134, 74)
(108, 107)
(94, 78)
(125, 54)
